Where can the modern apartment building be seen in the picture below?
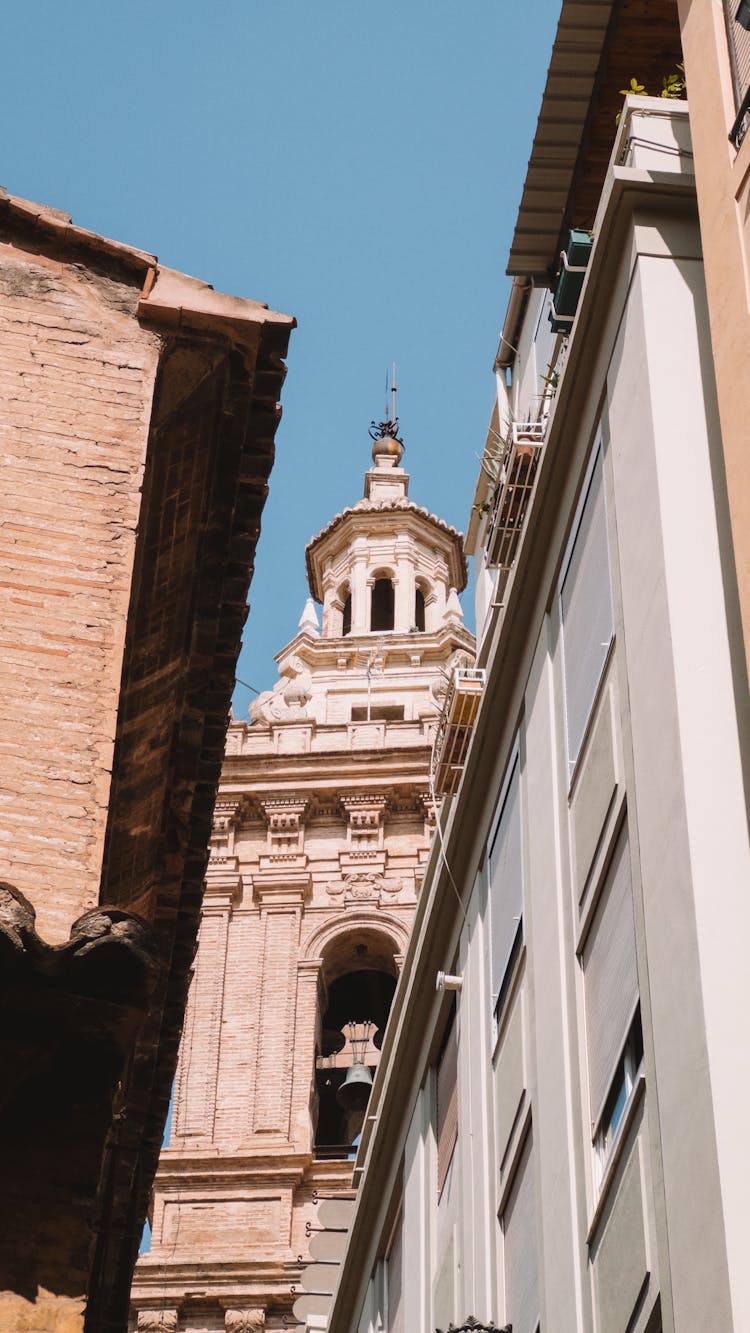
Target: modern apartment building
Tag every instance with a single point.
(555, 1138)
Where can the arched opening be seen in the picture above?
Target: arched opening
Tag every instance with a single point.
(346, 615)
(381, 617)
(358, 981)
(419, 621)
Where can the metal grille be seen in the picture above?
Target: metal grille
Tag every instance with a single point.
(512, 496)
(739, 58)
(455, 728)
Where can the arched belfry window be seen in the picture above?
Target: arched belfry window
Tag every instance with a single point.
(419, 609)
(381, 617)
(357, 983)
(346, 617)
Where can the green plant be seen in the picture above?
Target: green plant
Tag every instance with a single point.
(672, 85)
(635, 87)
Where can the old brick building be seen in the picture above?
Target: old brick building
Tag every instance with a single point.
(139, 412)
(322, 829)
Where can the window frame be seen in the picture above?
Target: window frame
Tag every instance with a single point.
(608, 1132)
(596, 456)
(499, 994)
(449, 1039)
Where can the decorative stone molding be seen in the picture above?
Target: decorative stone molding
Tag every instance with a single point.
(156, 1321)
(363, 886)
(363, 917)
(285, 823)
(288, 699)
(472, 1325)
(365, 815)
(245, 1321)
(282, 887)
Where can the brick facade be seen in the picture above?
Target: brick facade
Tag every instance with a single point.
(137, 435)
(321, 832)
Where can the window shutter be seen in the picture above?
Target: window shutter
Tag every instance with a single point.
(610, 976)
(520, 1249)
(739, 52)
(506, 883)
(447, 1104)
(395, 1280)
(586, 612)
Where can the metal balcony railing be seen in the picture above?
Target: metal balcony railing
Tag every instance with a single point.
(512, 493)
(455, 728)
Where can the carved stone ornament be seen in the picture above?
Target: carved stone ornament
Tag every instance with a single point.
(363, 886)
(472, 1325)
(288, 699)
(156, 1321)
(245, 1321)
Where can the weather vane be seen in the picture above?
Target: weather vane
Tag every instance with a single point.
(388, 428)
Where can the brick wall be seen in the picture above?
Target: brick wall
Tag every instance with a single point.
(76, 382)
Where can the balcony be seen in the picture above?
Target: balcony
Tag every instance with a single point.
(518, 468)
(455, 728)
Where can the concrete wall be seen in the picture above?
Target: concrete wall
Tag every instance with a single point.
(648, 1234)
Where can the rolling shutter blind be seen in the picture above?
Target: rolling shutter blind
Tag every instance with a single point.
(610, 976)
(739, 52)
(506, 884)
(520, 1249)
(447, 1105)
(586, 612)
(395, 1281)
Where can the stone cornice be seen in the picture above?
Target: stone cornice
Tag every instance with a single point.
(369, 516)
(284, 887)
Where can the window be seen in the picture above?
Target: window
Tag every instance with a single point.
(419, 621)
(394, 1280)
(378, 713)
(613, 1030)
(737, 21)
(521, 1278)
(506, 886)
(620, 1091)
(382, 605)
(346, 618)
(586, 611)
(447, 1102)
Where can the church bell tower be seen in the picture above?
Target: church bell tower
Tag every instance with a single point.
(322, 829)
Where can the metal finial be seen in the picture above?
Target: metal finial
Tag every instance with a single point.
(388, 428)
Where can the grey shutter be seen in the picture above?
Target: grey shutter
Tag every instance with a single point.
(610, 976)
(739, 52)
(447, 1105)
(395, 1280)
(586, 612)
(506, 882)
(520, 1261)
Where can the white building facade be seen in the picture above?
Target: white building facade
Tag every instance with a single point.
(555, 1139)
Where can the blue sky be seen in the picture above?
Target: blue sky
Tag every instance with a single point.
(358, 166)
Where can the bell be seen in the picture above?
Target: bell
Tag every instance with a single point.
(354, 1092)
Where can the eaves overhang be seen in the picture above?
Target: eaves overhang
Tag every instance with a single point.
(599, 46)
(369, 515)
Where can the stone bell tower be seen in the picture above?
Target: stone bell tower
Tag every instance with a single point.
(322, 828)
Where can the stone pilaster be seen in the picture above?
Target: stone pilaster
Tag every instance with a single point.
(280, 895)
(405, 586)
(360, 590)
(308, 974)
(198, 1067)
